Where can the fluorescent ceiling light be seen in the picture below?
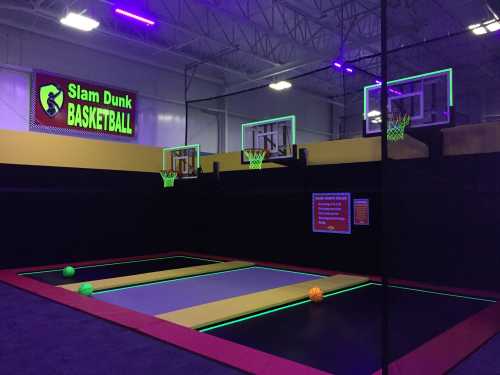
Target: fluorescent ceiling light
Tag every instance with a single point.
(281, 85)
(479, 30)
(485, 27)
(374, 113)
(135, 16)
(493, 26)
(79, 22)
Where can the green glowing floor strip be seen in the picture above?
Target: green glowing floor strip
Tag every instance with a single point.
(281, 308)
(340, 292)
(171, 280)
(438, 293)
(118, 263)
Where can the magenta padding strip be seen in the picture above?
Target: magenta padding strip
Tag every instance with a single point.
(443, 352)
(232, 354)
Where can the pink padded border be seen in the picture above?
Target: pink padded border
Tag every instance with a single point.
(229, 353)
(434, 357)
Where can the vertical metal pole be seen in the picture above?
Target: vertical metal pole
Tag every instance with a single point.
(383, 161)
(226, 127)
(343, 125)
(186, 109)
(383, 68)
(332, 123)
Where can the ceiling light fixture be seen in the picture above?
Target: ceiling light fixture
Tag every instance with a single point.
(493, 26)
(374, 113)
(339, 65)
(79, 21)
(485, 27)
(281, 85)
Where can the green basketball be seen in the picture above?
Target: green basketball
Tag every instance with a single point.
(86, 289)
(68, 271)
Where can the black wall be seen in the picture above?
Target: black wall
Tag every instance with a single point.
(441, 220)
(65, 214)
(440, 217)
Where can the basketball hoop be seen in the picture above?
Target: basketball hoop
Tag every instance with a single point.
(255, 156)
(396, 127)
(168, 178)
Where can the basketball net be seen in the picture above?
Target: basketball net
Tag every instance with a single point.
(255, 157)
(168, 178)
(396, 127)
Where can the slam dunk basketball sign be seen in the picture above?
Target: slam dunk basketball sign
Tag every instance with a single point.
(69, 105)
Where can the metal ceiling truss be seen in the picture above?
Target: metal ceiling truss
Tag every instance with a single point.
(255, 40)
(261, 34)
(275, 32)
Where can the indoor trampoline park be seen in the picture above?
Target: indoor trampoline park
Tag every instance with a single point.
(250, 187)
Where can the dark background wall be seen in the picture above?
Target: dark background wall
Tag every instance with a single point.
(439, 225)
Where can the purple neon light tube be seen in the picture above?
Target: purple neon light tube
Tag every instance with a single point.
(134, 16)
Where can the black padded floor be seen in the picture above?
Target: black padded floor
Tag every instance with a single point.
(120, 269)
(342, 334)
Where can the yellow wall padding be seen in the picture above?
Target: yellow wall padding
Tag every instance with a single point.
(227, 309)
(32, 148)
(472, 139)
(117, 282)
(407, 148)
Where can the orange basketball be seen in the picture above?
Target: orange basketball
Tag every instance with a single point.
(315, 294)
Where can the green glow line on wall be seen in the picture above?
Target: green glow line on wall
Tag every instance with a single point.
(449, 71)
(281, 308)
(290, 118)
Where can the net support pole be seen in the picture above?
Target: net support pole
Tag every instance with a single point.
(186, 104)
(384, 157)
